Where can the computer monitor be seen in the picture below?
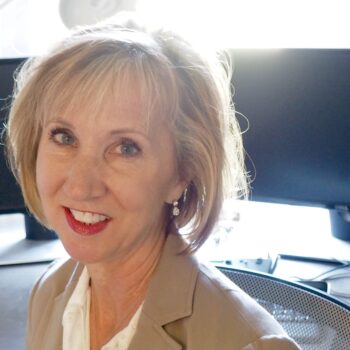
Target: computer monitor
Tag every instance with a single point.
(297, 102)
(11, 200)
(10, 194)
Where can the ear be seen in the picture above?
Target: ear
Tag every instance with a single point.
(183, 178)
(176, 191)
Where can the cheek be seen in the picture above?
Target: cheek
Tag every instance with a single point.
(45, 175)
(135, 194)
(145, 192)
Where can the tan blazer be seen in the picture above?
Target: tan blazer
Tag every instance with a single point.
(188, 306)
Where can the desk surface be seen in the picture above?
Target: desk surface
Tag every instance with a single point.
(250, 230)
(15, 285)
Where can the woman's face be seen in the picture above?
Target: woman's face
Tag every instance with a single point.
(104, 180)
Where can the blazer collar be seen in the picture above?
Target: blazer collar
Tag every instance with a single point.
(169, 297)
(170, 293)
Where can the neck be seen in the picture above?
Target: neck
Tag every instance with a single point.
(118, 288)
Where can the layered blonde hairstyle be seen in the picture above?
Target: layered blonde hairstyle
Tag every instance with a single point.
(190, 90)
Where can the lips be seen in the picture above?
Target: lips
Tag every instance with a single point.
(85, 229)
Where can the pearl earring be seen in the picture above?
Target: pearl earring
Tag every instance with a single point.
(176, 210)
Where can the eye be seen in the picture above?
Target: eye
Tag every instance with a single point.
(128, 148)
(62, 137)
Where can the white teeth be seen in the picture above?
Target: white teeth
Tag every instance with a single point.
(87, 218)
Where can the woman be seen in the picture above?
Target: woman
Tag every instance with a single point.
(119, 139)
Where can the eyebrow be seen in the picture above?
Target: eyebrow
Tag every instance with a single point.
(113, 132)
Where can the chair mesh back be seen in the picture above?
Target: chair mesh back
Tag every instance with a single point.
(313, 320)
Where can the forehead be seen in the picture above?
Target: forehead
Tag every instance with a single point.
(110, 107)
(96, 95)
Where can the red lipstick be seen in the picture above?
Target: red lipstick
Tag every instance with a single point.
(82, 228)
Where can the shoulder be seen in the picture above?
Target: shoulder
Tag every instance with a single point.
(231, 302)
(55, 279)
(49, 286)
(227, 318)
(46, 305)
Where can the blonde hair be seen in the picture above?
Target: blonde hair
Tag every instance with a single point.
(191, 90)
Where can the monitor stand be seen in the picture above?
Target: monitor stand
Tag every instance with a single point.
(35, 231)
(340, 222)
(25, 241)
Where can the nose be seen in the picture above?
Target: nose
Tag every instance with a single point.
(84, 179)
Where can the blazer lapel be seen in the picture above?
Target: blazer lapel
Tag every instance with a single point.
(152, 336)
(52, 340)
(169, 297)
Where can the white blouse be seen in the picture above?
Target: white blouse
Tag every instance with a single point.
(76, 321)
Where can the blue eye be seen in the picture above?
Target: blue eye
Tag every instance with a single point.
(62, 137)
(128, 148)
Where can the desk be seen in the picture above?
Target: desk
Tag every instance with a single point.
(251, 230)
(15, 249)
(15, 285)
(338, 279)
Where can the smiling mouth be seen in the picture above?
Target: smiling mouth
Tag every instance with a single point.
(87, 217)
(86, 223)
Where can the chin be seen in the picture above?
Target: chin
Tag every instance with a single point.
(83, 257)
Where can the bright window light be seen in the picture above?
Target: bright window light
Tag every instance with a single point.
(257, 23)
(28, 27)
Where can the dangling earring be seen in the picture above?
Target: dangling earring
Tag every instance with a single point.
(176, 210)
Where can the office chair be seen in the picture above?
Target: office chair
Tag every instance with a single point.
(313, 319)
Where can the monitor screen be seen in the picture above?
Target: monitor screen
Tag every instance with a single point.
(297, 103)
(10, 195)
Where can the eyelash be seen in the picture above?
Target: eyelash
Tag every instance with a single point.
(128, 142)
(60, 131)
